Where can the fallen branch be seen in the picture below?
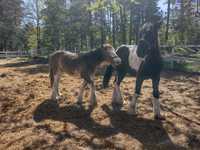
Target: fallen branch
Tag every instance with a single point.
(179, 115)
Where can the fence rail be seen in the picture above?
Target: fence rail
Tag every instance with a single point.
(175, 55)
(186, 60)
(12, 54)
(183, 46)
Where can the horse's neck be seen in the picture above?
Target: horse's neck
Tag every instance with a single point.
(155, 50)
(95, 57)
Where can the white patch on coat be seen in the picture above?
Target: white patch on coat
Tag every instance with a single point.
(134, 60)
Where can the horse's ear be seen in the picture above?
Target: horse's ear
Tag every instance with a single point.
(107, 45)
(142, 48)
(158, 24)
(104, 45)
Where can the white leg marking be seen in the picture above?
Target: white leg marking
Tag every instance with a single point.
(156, 107)
(80, 96)
(117, 97)
(55, 90)
(132, 109)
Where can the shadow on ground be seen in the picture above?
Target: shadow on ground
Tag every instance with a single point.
(150, 133)
(39, 68)
(27, 62)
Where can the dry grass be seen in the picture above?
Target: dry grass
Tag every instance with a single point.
(29, 120)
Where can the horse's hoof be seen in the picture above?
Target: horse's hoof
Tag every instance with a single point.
(131, 111)
(78, 104)
(117, 106)
(159, 117)
(93, 104)
(56, 98)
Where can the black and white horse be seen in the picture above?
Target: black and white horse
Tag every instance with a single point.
(145, 60)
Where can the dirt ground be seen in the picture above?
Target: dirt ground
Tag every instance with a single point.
(30, 120)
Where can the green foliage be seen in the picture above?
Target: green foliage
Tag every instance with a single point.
(10, 18)
(32, 39)
(86, 24)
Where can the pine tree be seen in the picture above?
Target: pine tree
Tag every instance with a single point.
(11, 13)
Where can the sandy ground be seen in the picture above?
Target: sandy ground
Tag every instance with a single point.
(30, 120)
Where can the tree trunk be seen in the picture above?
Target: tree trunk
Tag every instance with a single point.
(38, 27)
(91, 36)
(123, 24)
(131, 27)
(102, 28)
(114, 29)
(167, 26)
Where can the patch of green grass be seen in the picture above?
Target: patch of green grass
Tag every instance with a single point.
(186, 67)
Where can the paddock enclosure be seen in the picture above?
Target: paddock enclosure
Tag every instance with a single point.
(30, 120)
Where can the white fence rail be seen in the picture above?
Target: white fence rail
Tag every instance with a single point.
(12, 54)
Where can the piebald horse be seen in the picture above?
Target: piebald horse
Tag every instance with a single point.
(145, 60)
(83, 64)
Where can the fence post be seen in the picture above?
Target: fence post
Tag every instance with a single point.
(172, 61)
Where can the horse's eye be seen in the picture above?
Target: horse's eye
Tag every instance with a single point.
(114, 56)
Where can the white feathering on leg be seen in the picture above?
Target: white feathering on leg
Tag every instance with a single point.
(80, 96)
(55, 91)
(156, 107)
(133, 105)
(93, 96)
(117, 97)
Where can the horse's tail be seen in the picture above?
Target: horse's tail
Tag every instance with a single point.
(107, 76)
(51, 77)
(51, 74)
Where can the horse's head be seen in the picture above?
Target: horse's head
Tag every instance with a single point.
(110, 55)
(149, 38)
(147, 31)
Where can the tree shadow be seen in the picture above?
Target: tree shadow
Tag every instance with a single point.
(150, 133)
(27, 62)
(79, 116)
(39, 68)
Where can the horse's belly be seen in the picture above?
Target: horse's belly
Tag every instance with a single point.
(71, 71)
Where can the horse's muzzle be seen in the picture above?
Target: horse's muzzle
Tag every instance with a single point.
(117, 61)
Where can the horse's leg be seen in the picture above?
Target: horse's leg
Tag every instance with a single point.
(55, 90)
(117, 97)
(89, 79)
(80, 96)
(133, 103)
(93, 101)
(156, 95)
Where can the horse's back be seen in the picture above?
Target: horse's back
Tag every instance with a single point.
(63, 60)
(129, 57)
